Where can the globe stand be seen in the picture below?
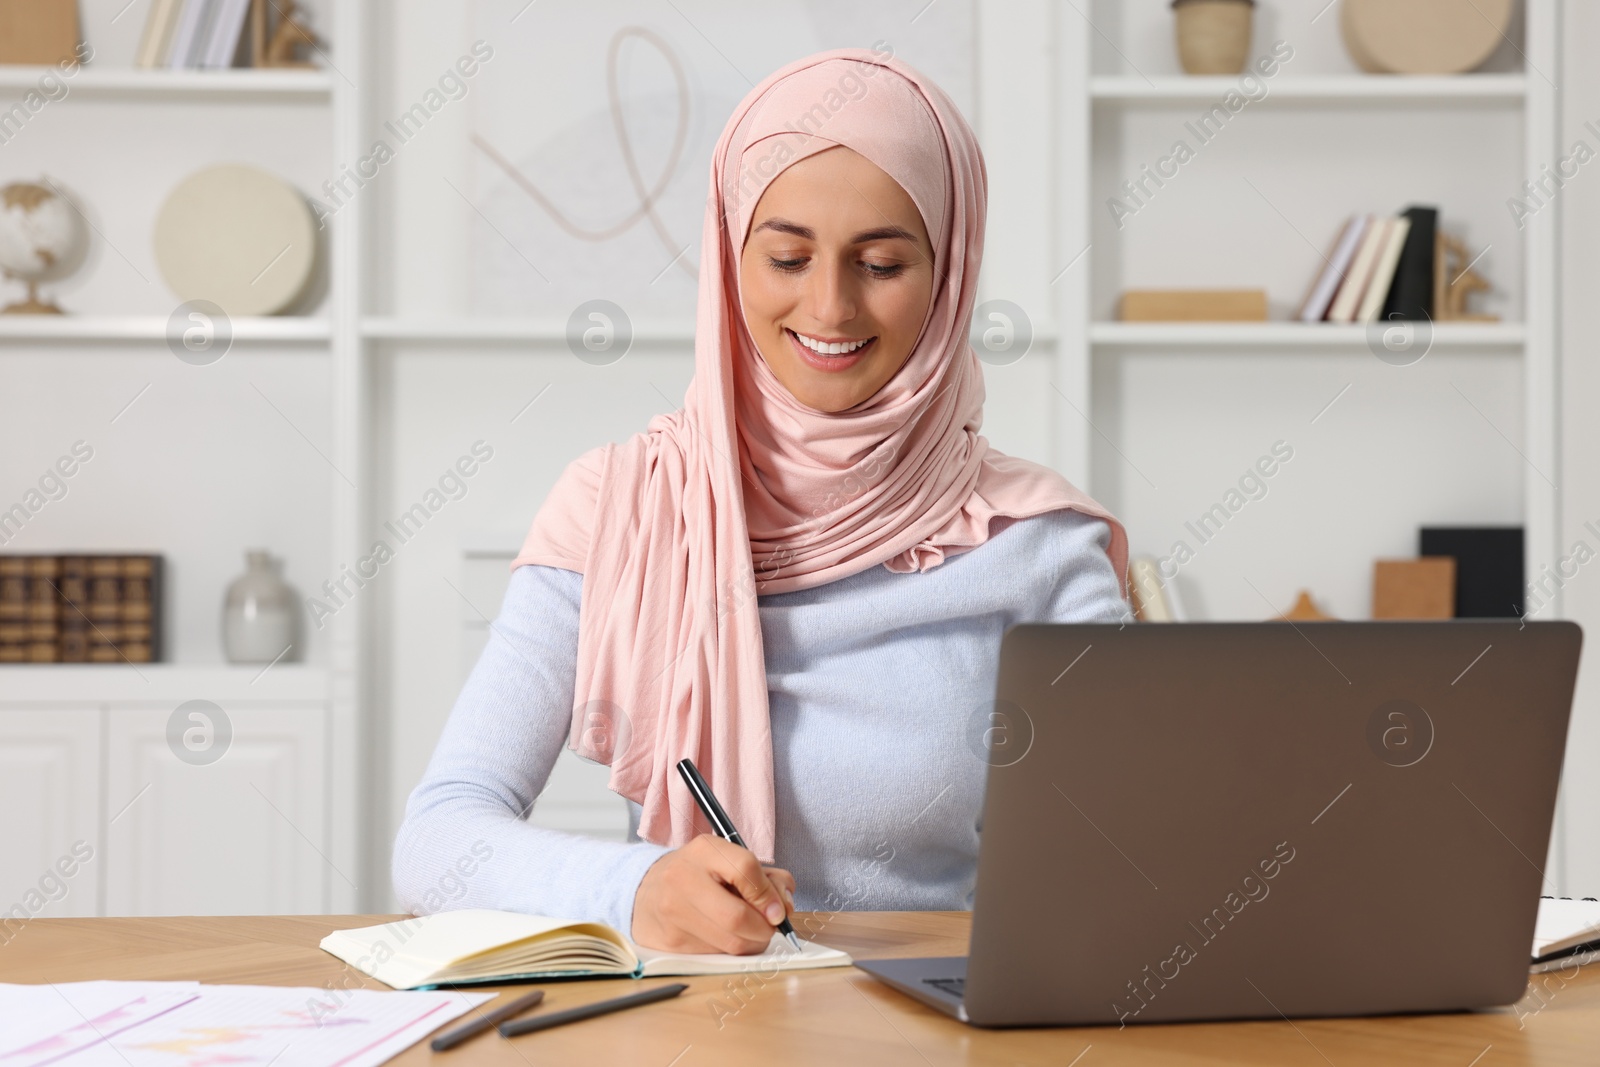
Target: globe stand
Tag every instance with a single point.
(32, 305)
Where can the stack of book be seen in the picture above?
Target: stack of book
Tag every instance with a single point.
(192, 33)
(80, 609)
(1152, 598)
(1380, 268)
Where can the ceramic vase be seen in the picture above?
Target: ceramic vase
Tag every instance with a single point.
(259, 614)
(1213, 35)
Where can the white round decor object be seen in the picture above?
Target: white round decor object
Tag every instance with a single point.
(236, 236)
(1423, 36)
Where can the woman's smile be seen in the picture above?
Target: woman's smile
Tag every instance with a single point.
(829, 355)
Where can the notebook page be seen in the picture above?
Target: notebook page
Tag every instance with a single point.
(1563, 923)
(779, 956)
(410, 952)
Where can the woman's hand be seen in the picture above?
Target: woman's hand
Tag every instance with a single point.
(711, 896)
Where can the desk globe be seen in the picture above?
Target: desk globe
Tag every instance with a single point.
(41, 237)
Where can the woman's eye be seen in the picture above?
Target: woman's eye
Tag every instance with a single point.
(876, 270)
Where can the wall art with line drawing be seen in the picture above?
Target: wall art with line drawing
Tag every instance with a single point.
(590, 137)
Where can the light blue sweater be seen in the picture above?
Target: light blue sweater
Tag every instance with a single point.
(880, 685)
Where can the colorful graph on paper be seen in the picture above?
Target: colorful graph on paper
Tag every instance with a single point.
(178, 1024)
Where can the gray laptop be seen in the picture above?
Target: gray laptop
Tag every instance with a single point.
(1259, 820)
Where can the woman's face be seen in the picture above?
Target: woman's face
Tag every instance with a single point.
(837, 255)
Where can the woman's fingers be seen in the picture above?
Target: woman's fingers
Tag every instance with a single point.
(742, 872)
(729, 923)
(711, 896)
(785, 883)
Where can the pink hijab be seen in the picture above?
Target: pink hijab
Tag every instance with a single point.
(745, 490)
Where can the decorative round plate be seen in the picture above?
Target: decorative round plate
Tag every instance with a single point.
(236, 236)
(1423, 36)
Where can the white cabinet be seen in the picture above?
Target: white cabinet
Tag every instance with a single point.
(50, 842)
(118, 801)
(243, 833)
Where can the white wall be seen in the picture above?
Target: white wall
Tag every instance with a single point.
(1580, 456)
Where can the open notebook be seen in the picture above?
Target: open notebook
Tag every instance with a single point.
(1566, 934)
(476, 945)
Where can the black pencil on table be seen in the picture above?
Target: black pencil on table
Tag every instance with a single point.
(589, 1011)
(486, 1022)
(722, 824)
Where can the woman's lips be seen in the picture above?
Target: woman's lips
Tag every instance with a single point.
(828, 363)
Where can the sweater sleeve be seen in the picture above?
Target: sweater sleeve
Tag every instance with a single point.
(464, 842)
(1086, 583)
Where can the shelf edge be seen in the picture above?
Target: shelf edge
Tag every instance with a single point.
(1289, 335)
(32, 684)
(1373, 88)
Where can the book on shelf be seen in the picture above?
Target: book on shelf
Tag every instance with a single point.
(1334, 269)
(207, 34)
(1194, 305)
(1383, 272)
(1154, 599)
(191, 17)
(158, 29)
(1411, 296)
(80, 608)
(226, 33)
(1354, 287)
(190, 34)
(1381, 268)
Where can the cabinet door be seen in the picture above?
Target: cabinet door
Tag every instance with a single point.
(50, 842)
(216, 814)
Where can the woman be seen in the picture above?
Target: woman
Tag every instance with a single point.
(799, 580)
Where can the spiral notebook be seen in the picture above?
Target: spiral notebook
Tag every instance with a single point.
(477, 945)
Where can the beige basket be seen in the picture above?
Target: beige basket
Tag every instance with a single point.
(1213, 35)
(1424, 36)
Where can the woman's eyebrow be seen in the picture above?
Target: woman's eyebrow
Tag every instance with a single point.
(881, 233)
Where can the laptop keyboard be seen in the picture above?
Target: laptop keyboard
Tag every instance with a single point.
(956, 987)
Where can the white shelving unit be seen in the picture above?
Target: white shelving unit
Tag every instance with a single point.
(1312, 150)
(274, 826)
(1103, 101)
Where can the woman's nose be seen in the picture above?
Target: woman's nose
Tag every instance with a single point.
(832, 295)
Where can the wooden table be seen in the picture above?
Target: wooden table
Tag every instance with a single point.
(813, 1017)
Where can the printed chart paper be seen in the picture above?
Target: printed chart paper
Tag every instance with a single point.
(186, 1024)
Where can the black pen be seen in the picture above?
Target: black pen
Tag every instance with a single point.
(589, 1011)
(722, 824)
(486, 1022)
